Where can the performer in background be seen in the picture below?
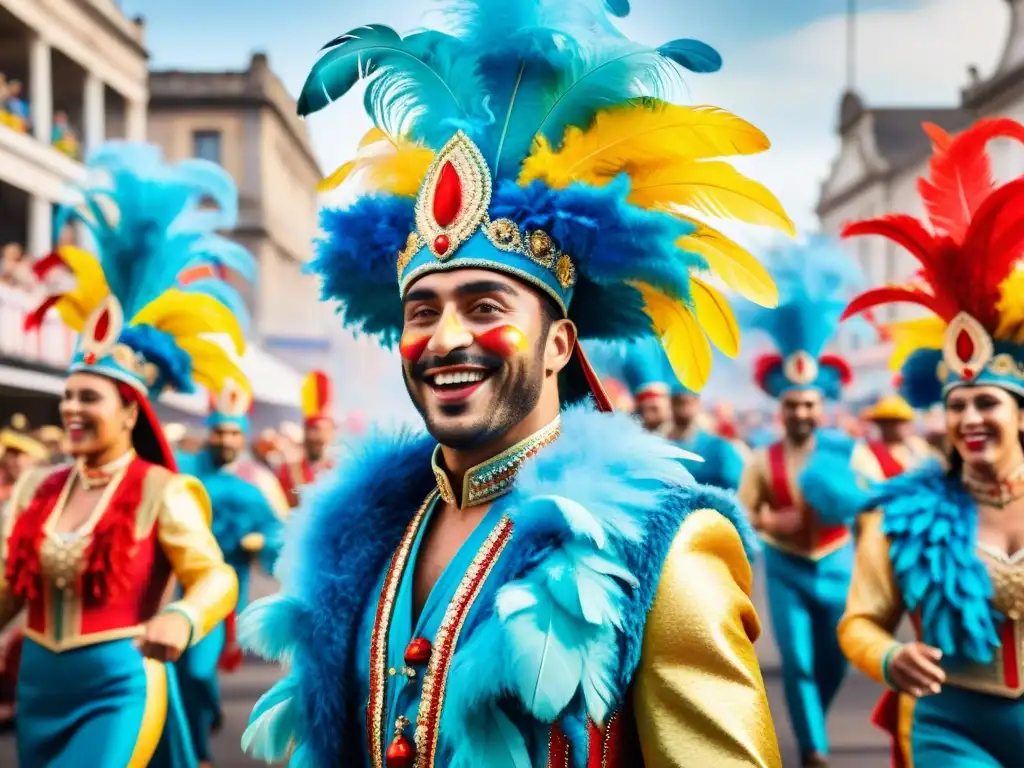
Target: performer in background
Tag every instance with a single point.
(947, 547)
(249, 508)
(526, 584)
(55, 440)
(318, 437)
(895, 449)
(91, 546)
(648, 373)
(722, 464)
(792, 487)
(19, 452)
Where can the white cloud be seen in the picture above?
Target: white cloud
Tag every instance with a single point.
(790, 86)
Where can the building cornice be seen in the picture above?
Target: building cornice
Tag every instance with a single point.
(104, 20)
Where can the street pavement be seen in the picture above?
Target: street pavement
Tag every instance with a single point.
(855, 742)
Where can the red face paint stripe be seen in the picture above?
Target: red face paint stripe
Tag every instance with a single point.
(411, 349)
(505, 340)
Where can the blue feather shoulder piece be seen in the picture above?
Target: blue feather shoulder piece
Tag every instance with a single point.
(931, 523)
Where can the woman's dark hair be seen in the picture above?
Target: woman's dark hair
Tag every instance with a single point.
(956, 461)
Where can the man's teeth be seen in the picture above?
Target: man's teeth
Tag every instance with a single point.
(459, 377)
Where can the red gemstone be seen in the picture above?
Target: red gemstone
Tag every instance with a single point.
(968, 373)
(964, 345)
(102, 326)
(90, 358)
(798, 364)
(400, 753)
(447, 195)
(441, 244)
(418, 651)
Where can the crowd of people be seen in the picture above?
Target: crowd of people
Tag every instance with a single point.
(15, 113)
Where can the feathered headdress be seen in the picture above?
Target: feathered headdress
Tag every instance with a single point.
(540, 142)
(231, 405)
(971, 277)
(815, 280)
(317, 397)
(648, 371)
(144, 304)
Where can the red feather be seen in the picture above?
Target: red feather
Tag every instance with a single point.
(41, 268)
(903, 230)
(961, 173)
(992, 248)
(840, 365)
(893, 294)
(34, 319)
(764, 365)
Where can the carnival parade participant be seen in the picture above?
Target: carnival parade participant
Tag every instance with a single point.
(55, 440)
(896, 448)
(19, 452)
(249, 508)
(946, 549)
(648, 372)
(317, 437)
(92, 545)
(546, 586)
(791, 487)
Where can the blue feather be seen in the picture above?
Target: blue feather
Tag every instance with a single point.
(692, 55)
(618, 8)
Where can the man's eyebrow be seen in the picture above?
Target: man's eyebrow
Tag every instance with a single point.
(421, 294)
(486, 286)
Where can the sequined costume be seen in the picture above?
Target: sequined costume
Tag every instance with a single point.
(962, 597)
(86, 695)
(808, 570)
(601, 610)
(249, 509)
(317, 405)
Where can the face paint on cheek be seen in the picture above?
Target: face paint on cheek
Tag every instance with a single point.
(505, 341)
(411, 347)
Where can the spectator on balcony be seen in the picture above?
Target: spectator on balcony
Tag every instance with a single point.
(16, 268)
(65, 139)
(16, 108)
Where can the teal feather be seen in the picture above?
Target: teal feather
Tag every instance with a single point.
(692, 55)
(273, 721)
(492, 733)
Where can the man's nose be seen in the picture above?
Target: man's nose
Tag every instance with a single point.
(449, 335)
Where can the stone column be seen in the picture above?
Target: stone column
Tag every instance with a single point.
(40, 227)
(40, 96)
(94, 113)
(135, 120)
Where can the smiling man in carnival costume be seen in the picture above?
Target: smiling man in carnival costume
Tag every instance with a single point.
(317, 401)
(92, 545)
(249, 508)
(801, 491)
(945, 547)
(525, 587)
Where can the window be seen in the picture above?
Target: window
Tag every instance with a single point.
(206, 145)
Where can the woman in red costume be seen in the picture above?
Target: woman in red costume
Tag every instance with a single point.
(91, 546)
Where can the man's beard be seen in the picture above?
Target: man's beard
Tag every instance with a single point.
(513, 400)
(222, 456)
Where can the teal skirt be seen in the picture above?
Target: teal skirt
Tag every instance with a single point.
(101, 706)
(967, 729)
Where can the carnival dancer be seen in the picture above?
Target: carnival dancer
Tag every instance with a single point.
(249, 508)
(525, 586)
(722, 464)
(93, 544)
(317, 437)
(946, 549)
(648, 373)
(896, 448)
(808, 556)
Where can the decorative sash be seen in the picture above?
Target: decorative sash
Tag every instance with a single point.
(813, 535)
(888, 463)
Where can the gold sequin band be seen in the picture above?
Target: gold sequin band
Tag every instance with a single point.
(495, 477)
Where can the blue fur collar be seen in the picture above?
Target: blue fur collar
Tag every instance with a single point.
(931, 523)
(602, 503)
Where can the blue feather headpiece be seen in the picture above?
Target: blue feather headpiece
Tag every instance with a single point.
(816, 280)
(154, 289)
(541, 143)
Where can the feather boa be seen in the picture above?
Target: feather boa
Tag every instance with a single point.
(931, 524)
(594, 516)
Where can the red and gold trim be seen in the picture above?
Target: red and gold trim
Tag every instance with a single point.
(614, 745)
(436, 678)
(379, 639)
(967, 347)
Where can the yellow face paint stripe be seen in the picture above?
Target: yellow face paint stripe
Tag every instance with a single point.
(153, 717)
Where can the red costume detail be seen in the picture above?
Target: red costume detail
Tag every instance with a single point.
(231, 654)
(890, 467)
(102, 327)
(764, 366)
(840, 365)
(964, 345)
(441, 244)
(292, 476)
(418, 651)
(447, 196)
(886, 716)
(400, 753)
(616, 745)
(813, 535)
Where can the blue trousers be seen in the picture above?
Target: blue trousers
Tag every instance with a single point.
(200, 688)
(806, 599)
(967, 729)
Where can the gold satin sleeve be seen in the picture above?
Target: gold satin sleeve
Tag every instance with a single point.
(699, 696)
(21, 496)
(874, 606)
(210, 585)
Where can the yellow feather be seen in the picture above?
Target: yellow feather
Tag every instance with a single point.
(684, 341)
(190, 314)
(910, 335)
(384, 166)
(73, 312)
(212, 367)
(1011, 307)
(732, 264)
(628, 137)
(713, 188)
(716, 317)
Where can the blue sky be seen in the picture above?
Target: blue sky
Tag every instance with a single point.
(784, 68)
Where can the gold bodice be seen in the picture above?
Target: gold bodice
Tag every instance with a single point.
(62, 558)
(1007, 574)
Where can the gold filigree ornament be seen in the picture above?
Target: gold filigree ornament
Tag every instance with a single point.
(233, 399)
(102, 330)
(565, 271)
(967, 348)
(800, 368)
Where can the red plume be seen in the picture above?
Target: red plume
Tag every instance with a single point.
(764, 365)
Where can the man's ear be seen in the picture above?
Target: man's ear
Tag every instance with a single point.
(560, 344)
